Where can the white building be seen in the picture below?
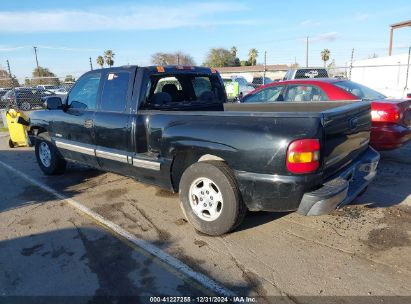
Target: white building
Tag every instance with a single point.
(384, 74)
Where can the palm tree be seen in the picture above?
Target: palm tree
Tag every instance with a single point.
(234, 51)
(100, 61)
(252, 56)
(325, 56)
(109, 55)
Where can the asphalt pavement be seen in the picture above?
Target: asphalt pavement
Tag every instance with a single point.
(47, 247)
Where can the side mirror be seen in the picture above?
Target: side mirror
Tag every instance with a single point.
(53, 103)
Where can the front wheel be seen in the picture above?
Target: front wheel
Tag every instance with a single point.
(48, 158)
(210, 198)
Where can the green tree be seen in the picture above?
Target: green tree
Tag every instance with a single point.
(109, 57)
(8, 81)
(234, 51)
(100, 61)
(252, 56)
(219, 57)
(172, 58)
(237, 61)
(42, 75)
(325, 56)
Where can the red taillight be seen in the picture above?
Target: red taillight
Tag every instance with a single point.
(303, 156)
(385, 112)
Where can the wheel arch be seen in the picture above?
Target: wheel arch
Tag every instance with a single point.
(184, 159)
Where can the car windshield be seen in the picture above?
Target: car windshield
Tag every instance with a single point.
(359, 90)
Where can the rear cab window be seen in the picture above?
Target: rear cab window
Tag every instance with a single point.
(183, 89)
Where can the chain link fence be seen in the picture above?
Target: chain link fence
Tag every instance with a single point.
(29, 97)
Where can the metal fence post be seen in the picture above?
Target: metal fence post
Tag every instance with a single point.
(408, 69)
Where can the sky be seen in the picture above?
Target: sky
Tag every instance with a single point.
(68, 33)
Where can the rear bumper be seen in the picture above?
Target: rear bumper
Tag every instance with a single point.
(342, 188)
(263, 192)
(388, 137)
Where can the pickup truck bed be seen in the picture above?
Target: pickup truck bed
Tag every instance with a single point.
(222, 158)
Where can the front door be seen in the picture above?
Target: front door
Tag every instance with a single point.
(73, 129)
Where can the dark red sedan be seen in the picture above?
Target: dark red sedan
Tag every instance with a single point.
(391, 119)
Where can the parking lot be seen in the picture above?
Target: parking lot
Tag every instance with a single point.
(50, 248)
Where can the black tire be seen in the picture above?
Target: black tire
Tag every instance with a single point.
(233, 209)
(11, 144)
(57, 164)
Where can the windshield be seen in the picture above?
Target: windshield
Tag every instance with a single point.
(359, 90)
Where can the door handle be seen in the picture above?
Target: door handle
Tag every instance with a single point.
(89, 123)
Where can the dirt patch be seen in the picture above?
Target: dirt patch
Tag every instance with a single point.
(27, 221)
(31, 250)
(165, 193)
(163, 235)
(200, 243)
(348, 219)
(190, 261)
(180, 222)
(56, 253)
(109, 211)
(395, 233)
(113, 193)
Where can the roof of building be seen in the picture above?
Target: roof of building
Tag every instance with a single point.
(254, 68)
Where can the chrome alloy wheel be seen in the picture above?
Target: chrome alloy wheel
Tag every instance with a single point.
(45, 154)
(206, 199)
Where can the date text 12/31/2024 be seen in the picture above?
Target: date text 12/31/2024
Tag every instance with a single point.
(235, 299)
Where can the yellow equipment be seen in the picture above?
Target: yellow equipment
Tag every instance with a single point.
(18, 131)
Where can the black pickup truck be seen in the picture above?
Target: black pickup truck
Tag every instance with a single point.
(171, 126)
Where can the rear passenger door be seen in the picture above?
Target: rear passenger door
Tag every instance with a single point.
(113, 121)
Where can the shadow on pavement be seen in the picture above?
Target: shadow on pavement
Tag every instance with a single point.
(84, 262)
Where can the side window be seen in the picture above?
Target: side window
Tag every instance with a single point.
(301, 93)
(269, 94)
(114, 96)
(84, 93)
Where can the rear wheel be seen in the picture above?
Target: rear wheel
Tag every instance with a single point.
(48, 158)
(11, 143)
(210, 198)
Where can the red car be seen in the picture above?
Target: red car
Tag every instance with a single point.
(391, 119)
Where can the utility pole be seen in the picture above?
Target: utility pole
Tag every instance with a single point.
(11, 77)
(265, 66)
(178, 59)
(352, 58)
(306, 54)
(408, 69)
(37, 61)
(8, 67)
(91, 64)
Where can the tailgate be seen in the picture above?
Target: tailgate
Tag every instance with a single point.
(346, 135)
